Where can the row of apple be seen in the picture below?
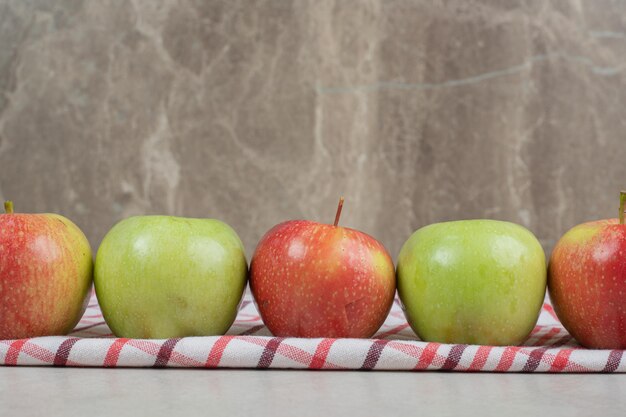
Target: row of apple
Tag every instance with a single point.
(469, 281)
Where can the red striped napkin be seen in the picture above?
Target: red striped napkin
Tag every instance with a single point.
(248, 344)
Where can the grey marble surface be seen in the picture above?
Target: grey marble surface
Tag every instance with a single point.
(255, 112)
(134, 392)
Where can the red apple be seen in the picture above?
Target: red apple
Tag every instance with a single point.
(321, 280)
(45, 274)
(587, 282)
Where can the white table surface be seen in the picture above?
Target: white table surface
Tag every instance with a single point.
(138, 392)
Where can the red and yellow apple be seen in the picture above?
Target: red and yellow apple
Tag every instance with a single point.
(587, 282)
(45, 274)
(321, 280)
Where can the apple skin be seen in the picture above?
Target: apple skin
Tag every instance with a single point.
(160, 277)
(318, 280)
(587, 283)
(472, 282)
(46, 271)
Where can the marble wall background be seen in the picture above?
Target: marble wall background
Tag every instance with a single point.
(256, 112)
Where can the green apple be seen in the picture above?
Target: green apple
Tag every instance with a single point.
(164, 277)
(472, 282)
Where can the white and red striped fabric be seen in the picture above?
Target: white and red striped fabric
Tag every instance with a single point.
(248, 344)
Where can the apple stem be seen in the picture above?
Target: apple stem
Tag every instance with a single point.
(339, 207)
(622, 200)
(8, 207)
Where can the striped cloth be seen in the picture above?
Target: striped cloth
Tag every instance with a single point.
(248, 344)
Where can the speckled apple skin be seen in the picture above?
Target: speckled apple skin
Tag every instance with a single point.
(318, 280)
(46, 271)
(587, 283)
(472, 282)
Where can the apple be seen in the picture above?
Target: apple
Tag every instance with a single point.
(46, 272)
(311, 279)
(587, 282)
(166, 277)
(472, 282)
